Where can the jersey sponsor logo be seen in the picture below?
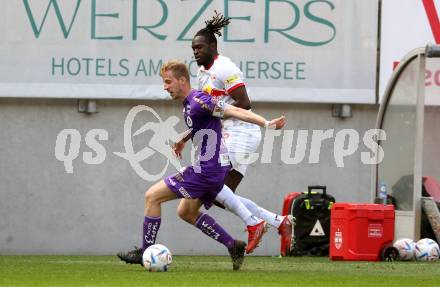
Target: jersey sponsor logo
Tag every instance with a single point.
(232, 79)
(218, 93)
(189, 121)
(202, 103)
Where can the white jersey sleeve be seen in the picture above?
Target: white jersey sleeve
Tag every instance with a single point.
(229, 74)
(220, 79)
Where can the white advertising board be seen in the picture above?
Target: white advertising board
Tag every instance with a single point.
(289, 51)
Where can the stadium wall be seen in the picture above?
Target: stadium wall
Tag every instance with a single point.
(98, 208)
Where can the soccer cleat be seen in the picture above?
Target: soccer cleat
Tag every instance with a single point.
(132, 257)
(255, 233)
(285, 230)
(237, 254)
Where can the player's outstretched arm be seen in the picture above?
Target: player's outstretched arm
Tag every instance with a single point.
(251, 117)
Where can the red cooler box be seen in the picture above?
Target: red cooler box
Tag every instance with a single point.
(360, 231)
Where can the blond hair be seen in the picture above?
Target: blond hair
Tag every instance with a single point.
(178, 69)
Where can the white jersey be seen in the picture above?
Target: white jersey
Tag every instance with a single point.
(219, 80)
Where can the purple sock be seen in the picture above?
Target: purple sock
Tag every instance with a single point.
(151, 227)
(210, 227)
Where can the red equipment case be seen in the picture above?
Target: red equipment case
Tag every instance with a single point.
(360, 231)
(288, 199)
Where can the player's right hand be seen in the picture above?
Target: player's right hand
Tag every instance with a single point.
(278, 123)
(178, 148)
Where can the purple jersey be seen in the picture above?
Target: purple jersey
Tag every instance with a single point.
(201, 113)
(205, 178)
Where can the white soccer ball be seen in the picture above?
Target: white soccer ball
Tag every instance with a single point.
(406, 248)
(157, 258)
(427, 250)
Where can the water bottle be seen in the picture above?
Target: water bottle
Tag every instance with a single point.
(383, 192)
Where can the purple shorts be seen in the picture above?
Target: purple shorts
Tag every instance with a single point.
(189, 184)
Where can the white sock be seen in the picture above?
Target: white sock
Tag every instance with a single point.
(270, 217)
(234, 205)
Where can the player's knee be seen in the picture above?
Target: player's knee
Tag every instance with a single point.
(149, 196)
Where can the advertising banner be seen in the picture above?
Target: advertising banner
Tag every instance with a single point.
(289, 51)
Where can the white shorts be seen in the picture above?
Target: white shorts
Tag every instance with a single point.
(242, 139)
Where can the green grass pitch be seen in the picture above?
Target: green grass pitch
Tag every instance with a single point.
(213, 271)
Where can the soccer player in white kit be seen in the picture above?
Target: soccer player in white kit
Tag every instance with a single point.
(220, 77)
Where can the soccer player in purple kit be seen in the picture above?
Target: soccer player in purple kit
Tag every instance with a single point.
(199, 184)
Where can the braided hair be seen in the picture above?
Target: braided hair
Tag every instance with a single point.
(213, 27)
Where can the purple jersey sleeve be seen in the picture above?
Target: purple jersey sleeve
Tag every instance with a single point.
(210, 105)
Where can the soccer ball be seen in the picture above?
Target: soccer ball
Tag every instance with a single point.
(157, 258)
(427, 250)
(406, 248)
